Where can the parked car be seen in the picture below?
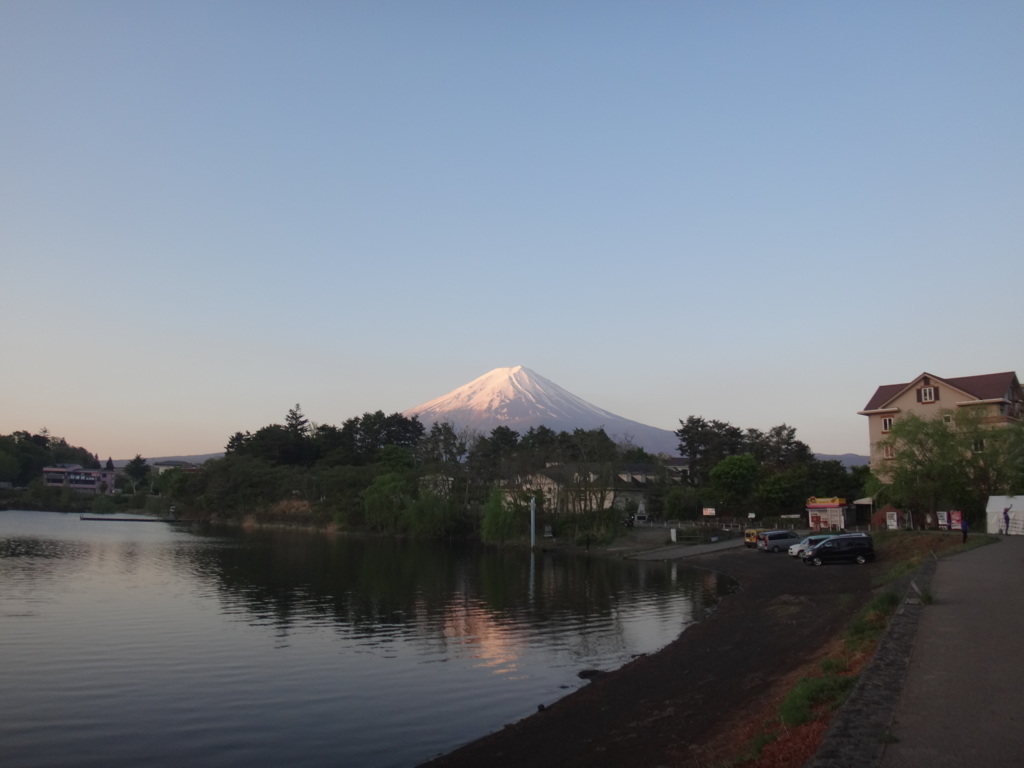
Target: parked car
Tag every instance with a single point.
(750, 536)
(851, 548)
(776, 541)
(795, 550)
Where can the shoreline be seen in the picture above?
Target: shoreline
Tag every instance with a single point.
(676, 706)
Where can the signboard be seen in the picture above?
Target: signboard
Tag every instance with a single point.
(955, 517)
(943, 516)
(892, 520)
(709, 511)
(820, 502)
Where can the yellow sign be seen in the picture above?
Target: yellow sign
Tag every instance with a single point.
(831, 500)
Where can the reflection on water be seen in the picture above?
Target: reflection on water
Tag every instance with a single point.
(134, 643)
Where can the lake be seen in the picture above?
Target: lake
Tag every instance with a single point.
(131, 643)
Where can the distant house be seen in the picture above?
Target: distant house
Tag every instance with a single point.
(634, 481)
(567, 489)
(998, 398)
(570, 490)
(74, 476)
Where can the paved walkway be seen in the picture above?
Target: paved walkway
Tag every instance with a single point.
(962, 702)
(946, 685)
(676, 551)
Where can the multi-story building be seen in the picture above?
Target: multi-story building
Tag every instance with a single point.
(997, 397)
(74, 476)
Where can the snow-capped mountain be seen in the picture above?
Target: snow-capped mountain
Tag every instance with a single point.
(519, 399)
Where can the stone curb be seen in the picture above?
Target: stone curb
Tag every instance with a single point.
(856, 738)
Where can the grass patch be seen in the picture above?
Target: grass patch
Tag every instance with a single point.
(813, 693)
(870, 624)
(816, 695)
(834, 666)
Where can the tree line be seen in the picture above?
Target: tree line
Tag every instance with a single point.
(24, 454)
(749, 471)
(389, 474)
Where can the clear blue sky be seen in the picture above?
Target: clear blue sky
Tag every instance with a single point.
(755, 212)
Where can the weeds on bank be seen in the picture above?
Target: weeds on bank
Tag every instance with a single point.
(905, 551)
(817, 695)
(813, 694)
(869, 625)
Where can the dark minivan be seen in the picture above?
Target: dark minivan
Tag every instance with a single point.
(852, 548)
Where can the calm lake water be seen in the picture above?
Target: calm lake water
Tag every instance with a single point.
(130, 644)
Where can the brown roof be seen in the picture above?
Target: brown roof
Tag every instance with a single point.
(987, 386)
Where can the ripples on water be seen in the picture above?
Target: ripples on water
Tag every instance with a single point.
(126, 644)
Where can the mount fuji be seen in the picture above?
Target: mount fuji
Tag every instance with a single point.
(519, 399)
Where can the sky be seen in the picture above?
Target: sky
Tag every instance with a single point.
(752, 212)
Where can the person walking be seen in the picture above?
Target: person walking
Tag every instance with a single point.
(963, 529)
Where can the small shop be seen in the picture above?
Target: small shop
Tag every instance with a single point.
(827, 514)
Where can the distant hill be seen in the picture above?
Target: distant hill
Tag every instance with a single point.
(195, 459)
(846, 459)
(518, 398)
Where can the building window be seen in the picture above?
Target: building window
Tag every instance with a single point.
(888, 452)
(886, 423)
(948, 418)
(979, 445)
(927, 394)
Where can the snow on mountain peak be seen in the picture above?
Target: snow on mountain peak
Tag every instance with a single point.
(519, 398)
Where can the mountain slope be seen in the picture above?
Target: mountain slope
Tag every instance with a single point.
(519, 399)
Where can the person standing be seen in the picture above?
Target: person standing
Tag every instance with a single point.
(963, 529)
(1006, 520)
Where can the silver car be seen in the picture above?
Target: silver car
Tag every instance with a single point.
(802, 546)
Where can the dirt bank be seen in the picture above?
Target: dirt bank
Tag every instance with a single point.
(677, 707)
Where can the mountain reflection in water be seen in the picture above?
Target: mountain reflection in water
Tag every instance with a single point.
(148, 644)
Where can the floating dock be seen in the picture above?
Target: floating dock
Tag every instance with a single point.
(107, 519)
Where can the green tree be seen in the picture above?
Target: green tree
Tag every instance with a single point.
(705, 443)
(296, 423)
(499, 519)
(440, 455)
(778, 449)
(682, 503)
(735, 478)
(137, 469)
(785, 491)
(386, 501)
(431, 516)
(929, 466)
(541, 446)
(994, 455)
(492, 459)
(237, 442)
(9, 466)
